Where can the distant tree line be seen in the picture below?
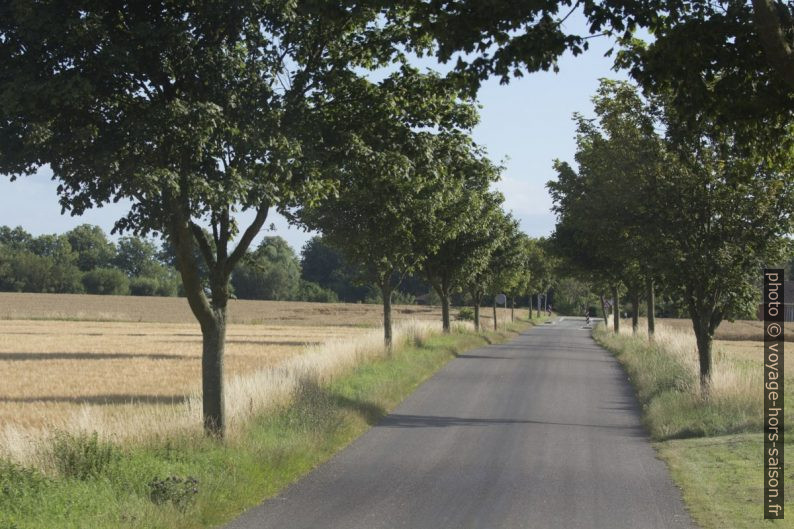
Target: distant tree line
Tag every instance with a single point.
(85, 260)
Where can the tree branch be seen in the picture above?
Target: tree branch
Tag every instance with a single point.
(203, 244)
(223, 239)
(248, 236)
(182, 239)
(779, 52)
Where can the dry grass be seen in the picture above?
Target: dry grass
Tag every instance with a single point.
(737, 364)
(131, 380)
(170, 410)
(130, 367)
(52, 368)
(665, 373)
(742, 330)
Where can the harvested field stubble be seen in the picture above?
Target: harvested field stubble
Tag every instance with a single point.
(130, 382)
(52, 368)
(84, 307)
(741, 330)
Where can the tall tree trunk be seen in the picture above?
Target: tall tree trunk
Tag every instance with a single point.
(705, 320)
(445, 313)
(494, 313)
(615, 310)
(704, 341)
(442, 289)
(651, 299)
(213, 335)
(210, 315)
(477, 315)
(604, 309)
(635, 312)
(186, 236)
(537, 313)
(512, 308)
(386, 290)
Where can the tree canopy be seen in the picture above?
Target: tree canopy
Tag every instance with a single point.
(191, 111)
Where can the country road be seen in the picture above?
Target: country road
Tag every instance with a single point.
(542, 432)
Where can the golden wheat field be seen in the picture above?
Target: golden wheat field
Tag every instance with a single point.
(50, 368)
(740, 330)
(128, 367)
(84, 307)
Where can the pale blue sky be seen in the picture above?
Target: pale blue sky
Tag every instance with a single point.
(527, 122)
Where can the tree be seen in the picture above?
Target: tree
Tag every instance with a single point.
(191, 111)
(389, 180)
(571, 296)
(107, 281)
(502, 252)
(739, 72)
(725, 215)
(24, 271)
(606, 230)
(467, 241)
(92, 247)
(136, 256)
(14, 239)
(506, 262)
(324, 265)
(704, 211)
(272, 271)
(538, 271)
(308, 291)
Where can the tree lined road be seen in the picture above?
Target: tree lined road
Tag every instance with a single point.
(541, 432)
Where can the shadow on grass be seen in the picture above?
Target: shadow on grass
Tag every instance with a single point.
(315, 403)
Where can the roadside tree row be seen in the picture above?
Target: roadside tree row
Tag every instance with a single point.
(657, 202)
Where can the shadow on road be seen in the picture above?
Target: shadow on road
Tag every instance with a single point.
(426, 421)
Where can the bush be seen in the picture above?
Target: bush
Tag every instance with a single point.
(144, 286)
(180, 492)
(309, 291)
(20, 489)
(466, 314)
(27, 272)
(168, 287)
(109, 281)
(82, 457)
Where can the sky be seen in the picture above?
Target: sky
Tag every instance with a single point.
(525, 125)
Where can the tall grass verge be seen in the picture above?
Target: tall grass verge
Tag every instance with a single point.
(713, 446)
(664, 373)
(189, 481)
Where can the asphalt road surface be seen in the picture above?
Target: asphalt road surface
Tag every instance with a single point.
(542, 432)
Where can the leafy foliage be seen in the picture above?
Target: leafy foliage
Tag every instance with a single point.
(178, 491)
(82, 457)
(110, 281)
(272, 271)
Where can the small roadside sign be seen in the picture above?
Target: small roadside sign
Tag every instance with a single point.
(501, 299)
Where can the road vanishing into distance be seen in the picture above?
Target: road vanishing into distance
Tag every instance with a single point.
(542, 432)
